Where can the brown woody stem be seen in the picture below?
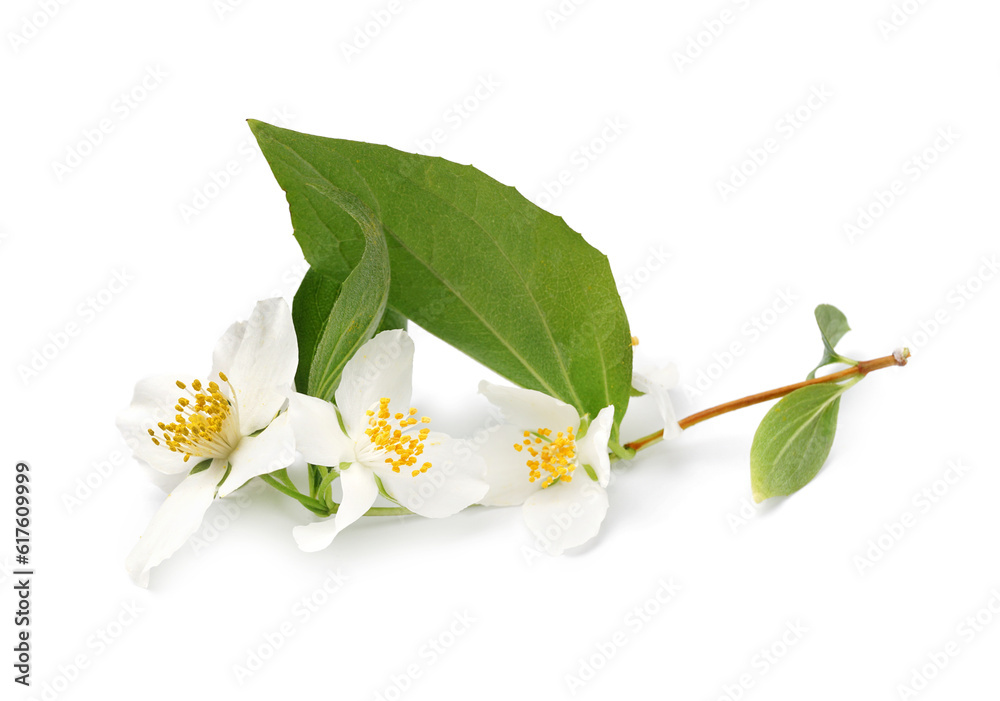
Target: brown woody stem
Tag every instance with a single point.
(860, 370)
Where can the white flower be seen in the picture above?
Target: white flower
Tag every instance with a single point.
(538, 459)
(234, 423)
(382, 441)
(657, 383)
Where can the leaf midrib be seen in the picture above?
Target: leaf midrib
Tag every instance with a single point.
(809, 419)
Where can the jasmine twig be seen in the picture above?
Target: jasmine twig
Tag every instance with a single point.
(860, 370)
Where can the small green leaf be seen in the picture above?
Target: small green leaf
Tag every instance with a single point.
(201, 467)
(794, 440)
(832, 327)
(334, 319)
(382, 490)
(473, 262)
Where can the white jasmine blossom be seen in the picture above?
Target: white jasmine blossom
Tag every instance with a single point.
(229, 426)
(539, 459)
(383, 442)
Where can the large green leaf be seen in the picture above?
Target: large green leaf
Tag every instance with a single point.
(794, 440)
(335, 316)
(473, 262)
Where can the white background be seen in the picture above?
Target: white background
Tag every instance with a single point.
(651, 191)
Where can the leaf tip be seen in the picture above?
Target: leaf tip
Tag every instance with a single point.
(257, 127)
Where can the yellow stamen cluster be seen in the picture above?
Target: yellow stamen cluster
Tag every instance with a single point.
(556, 456)
(199, 425)
(395, 439)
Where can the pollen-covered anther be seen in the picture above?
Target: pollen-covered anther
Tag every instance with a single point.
(555, 456)
(205, 427)
(390, 435)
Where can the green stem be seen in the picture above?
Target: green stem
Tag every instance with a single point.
(282, 475)
(315, 477)
(321, 509)
(314, 505)
(324, 491)
(619, 452)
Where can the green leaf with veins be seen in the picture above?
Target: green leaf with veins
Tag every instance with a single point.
(794, 440)
(832, 327)
(473, 262)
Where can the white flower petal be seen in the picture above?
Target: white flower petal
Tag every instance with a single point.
(530, 410)
(506, 469)
(153, 402)
(272, 449)
(318, 435)
(593, 449)
(360, 491)
(566, 514)
(260, 356)
(657, 383)
(177, 520)
(226, 348)
(383, 367)
(454, 481)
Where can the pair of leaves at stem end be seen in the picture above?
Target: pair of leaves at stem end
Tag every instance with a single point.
(793, 441)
